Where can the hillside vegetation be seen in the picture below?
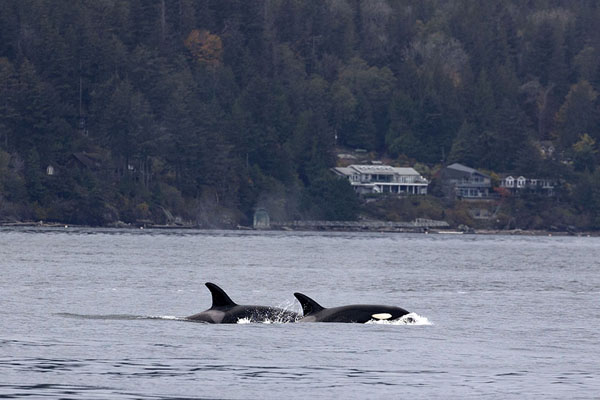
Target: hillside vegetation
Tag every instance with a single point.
(201, 111)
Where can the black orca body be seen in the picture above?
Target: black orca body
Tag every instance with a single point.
(358, 313)
(225, 311)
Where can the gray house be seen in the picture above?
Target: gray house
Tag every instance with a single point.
(465, 182)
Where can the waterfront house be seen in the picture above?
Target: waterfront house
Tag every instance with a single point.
(464, 182)
(383, 179)
(520, 184)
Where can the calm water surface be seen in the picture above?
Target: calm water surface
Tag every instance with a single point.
(98, 314)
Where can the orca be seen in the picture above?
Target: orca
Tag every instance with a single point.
(358, 313)
(226, 311)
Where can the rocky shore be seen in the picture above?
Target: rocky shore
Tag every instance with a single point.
(371, 226)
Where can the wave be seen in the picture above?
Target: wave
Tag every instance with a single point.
(120, 316)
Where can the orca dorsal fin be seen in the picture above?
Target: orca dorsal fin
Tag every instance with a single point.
(309, 306)
(219, 297)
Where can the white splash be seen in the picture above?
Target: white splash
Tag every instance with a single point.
(280, 318)
(408, 319)
(265, 321)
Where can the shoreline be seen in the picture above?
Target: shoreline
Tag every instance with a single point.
(436, 231)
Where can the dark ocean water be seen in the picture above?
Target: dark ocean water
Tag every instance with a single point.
(99, 314)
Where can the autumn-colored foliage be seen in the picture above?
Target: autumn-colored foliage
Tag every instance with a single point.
(194, 107)
(206, 48)
(502, 191)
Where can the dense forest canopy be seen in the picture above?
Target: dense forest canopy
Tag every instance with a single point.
(153, 109)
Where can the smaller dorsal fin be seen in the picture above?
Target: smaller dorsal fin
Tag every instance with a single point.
(219, 297)
(309, 306)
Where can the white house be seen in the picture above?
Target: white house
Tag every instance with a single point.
(510, 182)
(536, 185)
(383, 179)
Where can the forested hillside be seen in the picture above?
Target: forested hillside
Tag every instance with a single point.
(205, 110)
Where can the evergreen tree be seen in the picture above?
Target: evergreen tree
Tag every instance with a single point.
(578, 114)
(233, 100)
(464, 147)
(33, 175)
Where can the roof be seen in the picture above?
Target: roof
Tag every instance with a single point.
(507, 175)
(464, 168)
(373, 169)
(88, 160)
(343, 170)
(377, 170)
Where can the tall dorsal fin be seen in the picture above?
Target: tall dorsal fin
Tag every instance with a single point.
(309, 306)
(219, 297)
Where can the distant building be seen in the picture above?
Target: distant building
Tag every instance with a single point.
(521, 184)
(83, 160)
(546, 148)
(383, 179)
(465, 182)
